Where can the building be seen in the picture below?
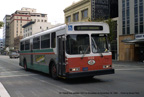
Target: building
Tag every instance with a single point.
(1, 44)
(92, 10)
(131, 28)
(33, 27)
(6, 31)
(18, 19)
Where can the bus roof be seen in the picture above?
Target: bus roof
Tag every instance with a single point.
(65, 26)
(45, 32)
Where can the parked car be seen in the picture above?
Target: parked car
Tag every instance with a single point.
(14, 55)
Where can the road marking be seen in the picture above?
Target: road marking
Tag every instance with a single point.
(3, 92)
(68, 90)
(9, 71)
(130, 69)
(17, 75)
(53, 84)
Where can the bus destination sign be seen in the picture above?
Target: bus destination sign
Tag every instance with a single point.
(88, 28)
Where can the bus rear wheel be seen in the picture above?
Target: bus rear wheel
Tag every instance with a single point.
(54, 71)
(25, 66)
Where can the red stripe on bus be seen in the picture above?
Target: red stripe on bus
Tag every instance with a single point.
(35, 53)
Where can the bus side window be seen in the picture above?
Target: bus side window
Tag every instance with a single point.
(36, 43)
(45, 41)
(22, 46)
(27, 44)
(53, 40)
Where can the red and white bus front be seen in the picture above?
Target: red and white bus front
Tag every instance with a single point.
(87, 55)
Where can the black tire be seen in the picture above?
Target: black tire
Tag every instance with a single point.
(54, 71)
(25, 66)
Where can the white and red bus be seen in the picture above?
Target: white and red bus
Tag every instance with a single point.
(78, 49)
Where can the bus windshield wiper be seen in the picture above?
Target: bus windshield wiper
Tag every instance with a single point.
(85, 52)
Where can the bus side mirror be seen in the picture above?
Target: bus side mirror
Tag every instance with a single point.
(109, 46)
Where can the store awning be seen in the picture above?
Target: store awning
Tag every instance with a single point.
(134, 41)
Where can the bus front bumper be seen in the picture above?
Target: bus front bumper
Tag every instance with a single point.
(90, 73)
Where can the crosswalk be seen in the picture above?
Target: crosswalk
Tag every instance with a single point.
(3, 91)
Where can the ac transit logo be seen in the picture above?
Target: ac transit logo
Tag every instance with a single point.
(70, 28)
(91, 62)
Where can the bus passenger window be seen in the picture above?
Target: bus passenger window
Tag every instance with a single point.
(45, 41)
(22, 46)
(36, 43)
(53, 40)
(27, 44)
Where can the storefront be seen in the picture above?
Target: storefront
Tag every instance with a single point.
(138, 43)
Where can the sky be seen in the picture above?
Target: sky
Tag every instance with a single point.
(53, 8)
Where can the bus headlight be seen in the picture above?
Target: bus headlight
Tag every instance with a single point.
(74, 69)
(107, 66)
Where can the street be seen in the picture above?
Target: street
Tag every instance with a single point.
(128, 81)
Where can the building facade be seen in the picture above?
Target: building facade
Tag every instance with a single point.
(91, 10)
(6, 31)
(131, 28)
(33, 27)
(19, 19)
(77, 12)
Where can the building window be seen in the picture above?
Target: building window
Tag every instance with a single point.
(123, 30)
(84, 13)
(136, 29)
(123, 17)
(123, 3)
(136, 16)
(68, 19)
(135, 1)
(141, 29)
(76, 17)
(128, 30)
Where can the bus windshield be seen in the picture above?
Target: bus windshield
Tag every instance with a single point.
(78, 44)
(99, 43)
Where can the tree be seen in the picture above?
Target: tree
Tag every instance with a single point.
(112, 25)
(1, 24)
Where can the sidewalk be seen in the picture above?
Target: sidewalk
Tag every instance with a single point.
(127, 64)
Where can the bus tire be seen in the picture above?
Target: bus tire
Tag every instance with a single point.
(25, 65)
(54, 71)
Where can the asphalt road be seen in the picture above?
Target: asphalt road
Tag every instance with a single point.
(128, 81)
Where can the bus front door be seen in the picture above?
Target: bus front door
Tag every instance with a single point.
(61, 55)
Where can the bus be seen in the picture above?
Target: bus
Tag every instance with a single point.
(79, 49)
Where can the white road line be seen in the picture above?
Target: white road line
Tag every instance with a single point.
(9, 71)
(17, 75)
(3, 92)
(130, 69)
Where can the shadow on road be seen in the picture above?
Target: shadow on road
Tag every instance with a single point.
(83, 80)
